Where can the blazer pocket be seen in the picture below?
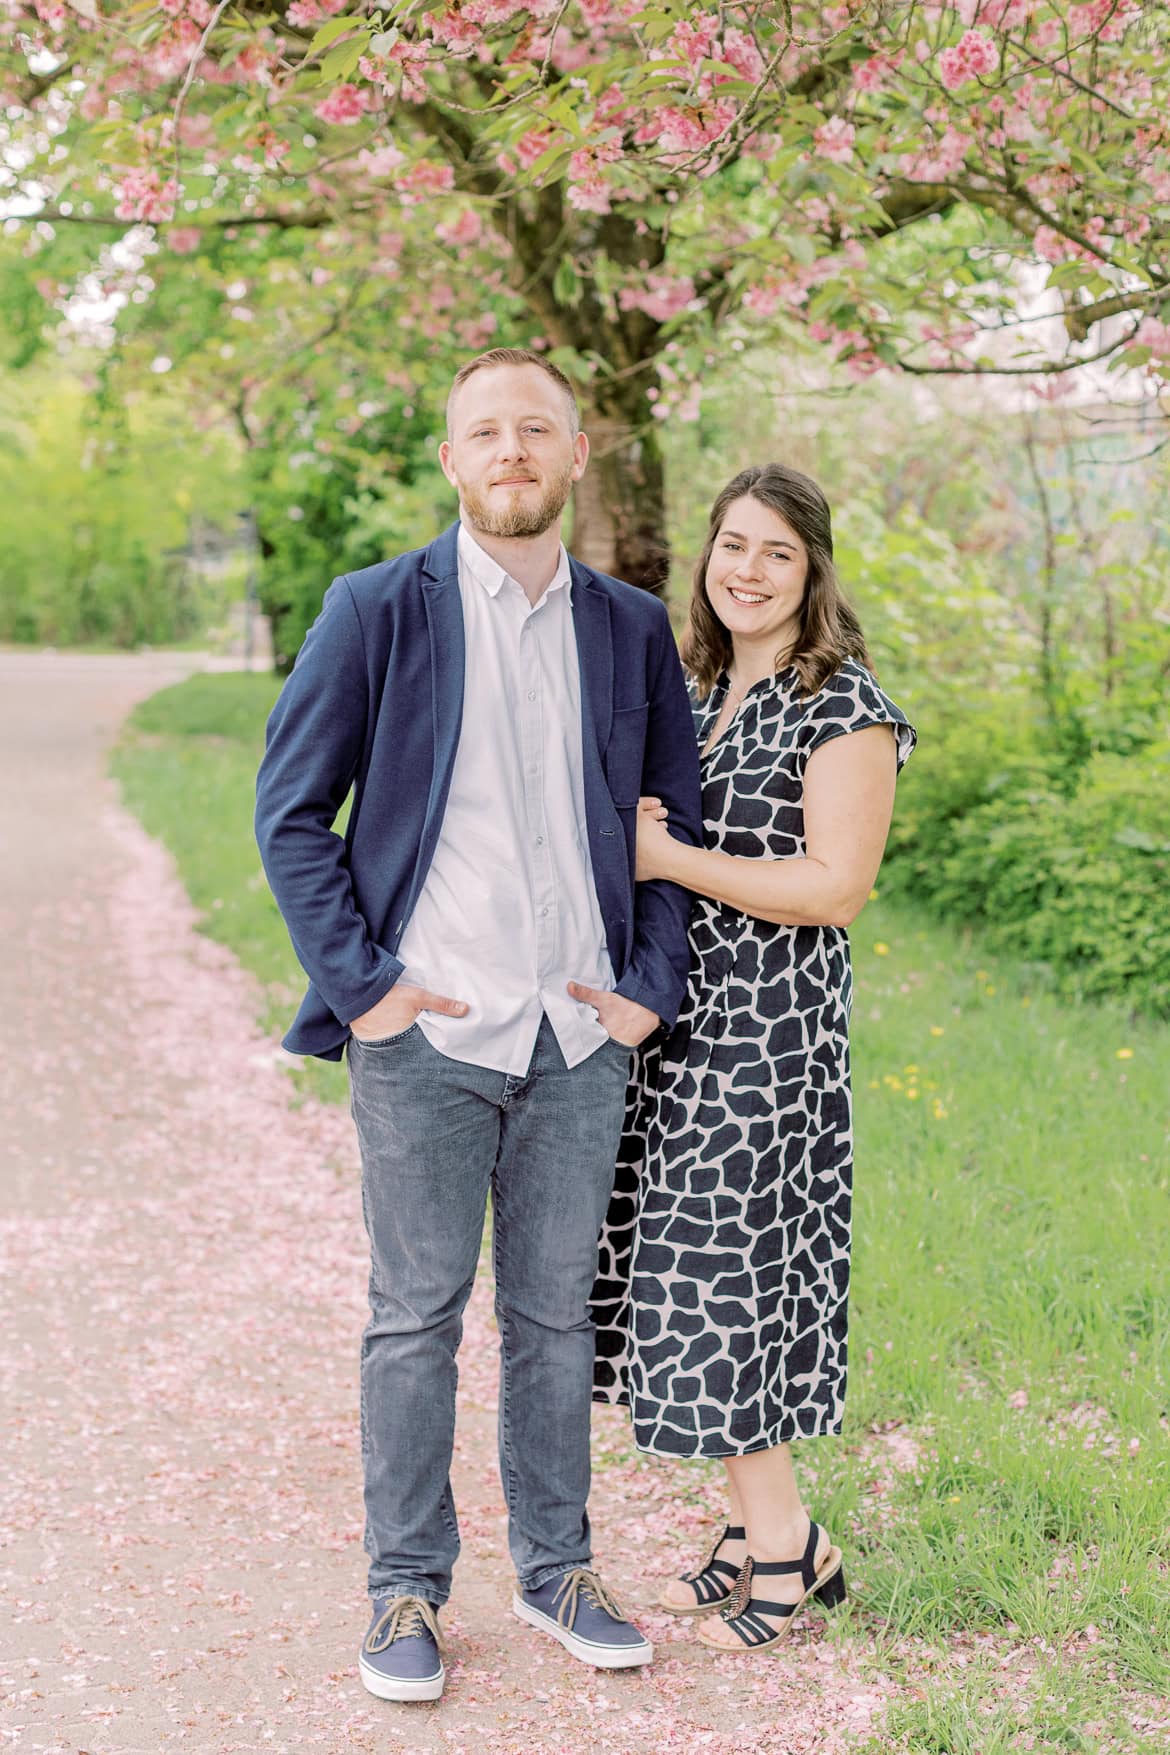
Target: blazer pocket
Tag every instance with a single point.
(625, 753)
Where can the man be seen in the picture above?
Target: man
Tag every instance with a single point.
(477, 946)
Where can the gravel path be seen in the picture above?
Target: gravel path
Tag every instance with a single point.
(181, 1304)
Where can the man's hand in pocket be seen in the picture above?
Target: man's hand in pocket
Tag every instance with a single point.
(397, 1010)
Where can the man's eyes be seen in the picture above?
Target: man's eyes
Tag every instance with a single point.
(490, 432)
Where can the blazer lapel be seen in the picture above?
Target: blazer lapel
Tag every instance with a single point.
(591, 625)
(444, 611)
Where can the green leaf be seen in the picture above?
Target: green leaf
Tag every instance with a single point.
(331, 30)
(566, 284)
(340, 62)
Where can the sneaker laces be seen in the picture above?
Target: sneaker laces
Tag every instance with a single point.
(583, 1582)
(403, 1618)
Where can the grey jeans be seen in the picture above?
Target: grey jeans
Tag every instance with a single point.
(435, 1135)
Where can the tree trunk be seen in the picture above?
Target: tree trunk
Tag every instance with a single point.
(619, 510)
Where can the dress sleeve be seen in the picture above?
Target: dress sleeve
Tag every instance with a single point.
(849, 701)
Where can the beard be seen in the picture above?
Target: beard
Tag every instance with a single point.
(517, 517)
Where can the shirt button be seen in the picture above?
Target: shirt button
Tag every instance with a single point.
(544, 911)
(540, 843)
(532, 694)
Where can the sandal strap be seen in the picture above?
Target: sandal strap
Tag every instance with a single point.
(806, 1565)
(731, 1533)
(749, 1627)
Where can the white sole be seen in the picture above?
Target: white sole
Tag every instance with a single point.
(604, 1657)
(395, 1688)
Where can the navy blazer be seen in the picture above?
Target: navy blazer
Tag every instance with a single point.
(375, 701)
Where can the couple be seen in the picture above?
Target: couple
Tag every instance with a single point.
(547, 884)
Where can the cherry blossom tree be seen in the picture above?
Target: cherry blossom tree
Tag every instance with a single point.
(635, 187)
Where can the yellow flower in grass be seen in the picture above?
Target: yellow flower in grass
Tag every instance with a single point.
(912, 1093)
(881, 949)
(937, 1030)
(939, 1110)
(873, 895)
(1125, 1054)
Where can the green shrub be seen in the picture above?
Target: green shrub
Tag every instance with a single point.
(1073, 879)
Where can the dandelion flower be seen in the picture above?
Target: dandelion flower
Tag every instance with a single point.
(1125, 1054)
(937, 1030)
(880, 949)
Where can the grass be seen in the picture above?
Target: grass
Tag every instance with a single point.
(1003, 1484)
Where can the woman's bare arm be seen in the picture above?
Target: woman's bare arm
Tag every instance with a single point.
(848, 803)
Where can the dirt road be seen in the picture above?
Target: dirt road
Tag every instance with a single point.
(181, 1304)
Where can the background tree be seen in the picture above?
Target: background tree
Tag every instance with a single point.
(641, 186)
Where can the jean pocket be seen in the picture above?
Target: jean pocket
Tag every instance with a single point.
(385, 1041)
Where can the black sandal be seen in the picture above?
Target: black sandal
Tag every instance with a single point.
(744, 1612)
(710, 1591)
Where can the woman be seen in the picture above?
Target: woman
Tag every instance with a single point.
(721, 1301)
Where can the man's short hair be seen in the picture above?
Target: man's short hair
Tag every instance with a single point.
(515, 356)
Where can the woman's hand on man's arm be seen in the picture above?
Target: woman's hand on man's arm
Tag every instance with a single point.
(848, 802)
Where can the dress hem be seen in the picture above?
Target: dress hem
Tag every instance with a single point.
(770, 1443)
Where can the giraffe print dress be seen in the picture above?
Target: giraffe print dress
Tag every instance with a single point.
(723, 1279)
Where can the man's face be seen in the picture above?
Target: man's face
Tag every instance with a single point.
(512, 454)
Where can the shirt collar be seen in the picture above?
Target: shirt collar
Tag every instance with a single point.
(489, 573)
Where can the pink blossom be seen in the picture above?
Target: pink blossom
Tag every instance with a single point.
(763, 300)
(401, 70)
(196, 131)
(692, 42)
(143, 196)
(612, 110)
(996, 14)
(588, 189)
(834, 139)
(685, 133)
(174, 51)
(973, 56)
(345, 105)
(532, 146)
(458, 33)
(476, 332)
(184, 240)
(464, 230)
(1155, 335)
(941, 163)
(1106, 19)
(304, 14)
(662, 296)
(427, 177)
(740, 52)
(381, 162)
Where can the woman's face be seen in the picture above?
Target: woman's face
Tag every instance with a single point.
(756, 575)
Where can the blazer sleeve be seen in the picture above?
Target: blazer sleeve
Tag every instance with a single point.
(656, 976)
(316, 736)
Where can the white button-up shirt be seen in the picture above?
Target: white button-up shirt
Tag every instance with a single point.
(508, 912)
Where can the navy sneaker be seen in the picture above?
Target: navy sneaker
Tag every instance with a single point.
(579, 1611)
(401, 1658)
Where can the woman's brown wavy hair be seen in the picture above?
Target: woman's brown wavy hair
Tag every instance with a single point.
(829, 629)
